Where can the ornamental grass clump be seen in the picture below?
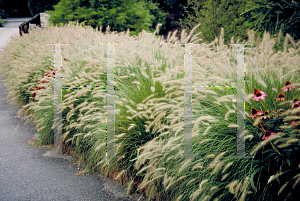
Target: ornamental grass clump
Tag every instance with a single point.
(279, 129)
(84, 110)
(216, 176)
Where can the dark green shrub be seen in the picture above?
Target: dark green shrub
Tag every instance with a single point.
(2, 21)
(119, 15)
(3, 9)
(39, 6)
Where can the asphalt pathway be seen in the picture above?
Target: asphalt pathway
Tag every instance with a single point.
(26, 173)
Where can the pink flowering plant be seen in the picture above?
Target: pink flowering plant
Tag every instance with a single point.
(277, 133)
(269, 123)
(49, 74)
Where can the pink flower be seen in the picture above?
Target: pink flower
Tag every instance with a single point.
(259, 95)
(153, 164)
(42, 80)
(268, 134)
(287, 88)
(294, 122)
(295, 104)
(280, 97)
(264, 115)
(255, 112)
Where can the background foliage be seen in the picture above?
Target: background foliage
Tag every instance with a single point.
(2, 9)
(237, 17)
(39, 6)
(119, 15)
(274, 15)
(213, 15)
(8, 8)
